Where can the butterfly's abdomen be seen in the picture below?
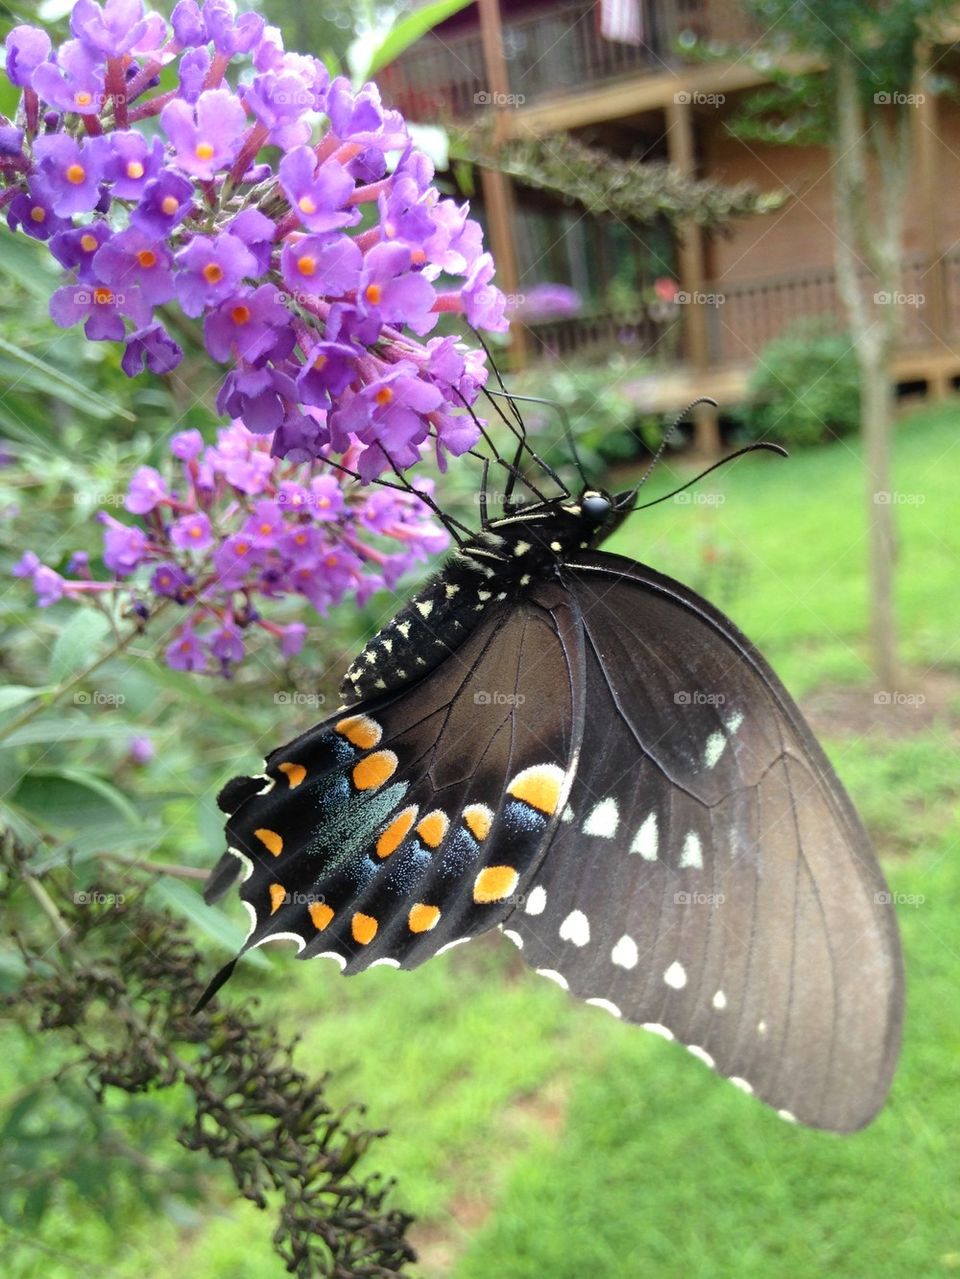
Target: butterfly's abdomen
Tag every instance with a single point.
(433, 624)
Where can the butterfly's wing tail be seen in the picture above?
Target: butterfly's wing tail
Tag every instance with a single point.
(712, 881)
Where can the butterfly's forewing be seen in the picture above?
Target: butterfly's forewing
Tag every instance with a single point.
(404, 823)
(711, 879)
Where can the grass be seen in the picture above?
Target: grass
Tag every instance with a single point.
(534, 1137)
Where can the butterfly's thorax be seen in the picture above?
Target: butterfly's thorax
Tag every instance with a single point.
(505, 558)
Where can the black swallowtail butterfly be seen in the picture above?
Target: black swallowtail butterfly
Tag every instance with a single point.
(566, 744)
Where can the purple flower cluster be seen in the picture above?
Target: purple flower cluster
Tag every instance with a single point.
(318, 281)
(237, 534)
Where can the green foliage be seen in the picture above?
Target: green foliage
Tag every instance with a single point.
(804, 389)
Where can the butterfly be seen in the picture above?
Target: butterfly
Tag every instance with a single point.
(564, 743)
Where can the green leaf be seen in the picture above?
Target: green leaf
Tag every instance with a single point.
(53, 381)
(183, 899)
(190, 693)
(49, 730)
(16, 694)
(66, 799)
(77, 643)
(408, 30)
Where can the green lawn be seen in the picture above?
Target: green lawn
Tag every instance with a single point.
(535, 1138)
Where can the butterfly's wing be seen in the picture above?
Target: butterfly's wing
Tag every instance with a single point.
(710, 878)
(403, 824)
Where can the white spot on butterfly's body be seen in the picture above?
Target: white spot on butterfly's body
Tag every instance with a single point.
(514, 937)
(552, 975)
(603, 819)
(386, 962)
(575, 928)
(719, 1001)
(647, 839)
(676, 975)
(607, 1005)
(741, 1084)
(655, 1028)
(716, 745)
(388, 645)
(556, 546)
(483, 595)
(625, 953)
(425, 607)
(451, 591)
(734, 722)
(403, 628)
(536, 901)
(701, 1054)
(691, 855)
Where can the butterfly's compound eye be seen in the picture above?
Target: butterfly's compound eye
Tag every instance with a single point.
(595, 506)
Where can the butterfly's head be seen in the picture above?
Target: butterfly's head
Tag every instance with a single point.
(603, 512)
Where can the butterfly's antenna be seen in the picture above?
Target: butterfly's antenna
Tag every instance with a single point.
(703, 399)
(453, 527)
(748, 448)
(512, 470)
(564, 418)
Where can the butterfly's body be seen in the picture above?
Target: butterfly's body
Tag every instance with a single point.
(594, 758)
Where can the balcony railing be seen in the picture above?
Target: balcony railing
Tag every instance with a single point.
(550, 51)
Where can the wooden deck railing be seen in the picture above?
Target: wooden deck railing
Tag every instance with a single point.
(552, 50)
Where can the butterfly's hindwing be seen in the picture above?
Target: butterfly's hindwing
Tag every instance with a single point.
(404, 825)
(711, 880)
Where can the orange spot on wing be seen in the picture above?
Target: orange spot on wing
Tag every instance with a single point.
(433, 827)
(538, 786)
(422, 918)
(295, 773)
(479, 819)
(374, 770)
(278, 895)
(271, 841)
(393, 835)
(494, 884)
(360, 730)
(321, 914)
(364, 928)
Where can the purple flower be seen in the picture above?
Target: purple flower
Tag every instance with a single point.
(116, 27)
(389, 416)
(186, 653)
(191, 532)
(27, 47)
(258, 233)
(101, 308)
(189, 28)
(457, 240)
(319, 266)
(140, 749)
(292, 639)
(206, 136)
(265, 524)
(227, 645)
(390, 292)
(194, 67)
(186, 445)
(256, 396)
(145, 491)
(234, 559)
(246, 325)
(74, 82)
(328, 370)
(483, 303)
(318, 195)
(165, 202)
(131, 162)
(151, 347)
(326, 497)
(27, 565)
(124, 545)
(360, 117)
(211, 269)
(231, 34)
(280, 101)
(301, 436)
(242, 465)
(171, 580)
(32, 213)
(48, 585)
(135, 259)
(69, 172)
(77, 247)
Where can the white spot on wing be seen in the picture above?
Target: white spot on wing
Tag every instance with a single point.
(552, 975)
(251, 911)
(567, 815)
(521, 548)
(536, 901)
(646, 839)
(761, 1027)
(607, 1005)
(701, 1054)
(575, 928)
(603, 820)
(716, 745)
(450, 944)
(734, 722)
(691, 855)
(719, 1001)
(655, 1028)
(741, 1084)
(787, 1116)
(268, 783)
(625, 953)
(337, 959)
(386, 962)
(676, 975)
(514, 937)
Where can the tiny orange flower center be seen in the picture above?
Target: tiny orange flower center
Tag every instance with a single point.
(37, 214)
(164, 579)
(306, 205)
(147, 258)
(134, 169)
(331, 561)
(307, 265)
(102, 297)
(213, 273)
(75, 173)
(324, 502)
(89, 242)
(196, 531)
(373, 293)
(204, 151)
(320, 362)
(169, 205)
(384, 395)
(418, 257)
(300, 539)
(265, 527)
(240, 314)
(82, 98)
(242, 548)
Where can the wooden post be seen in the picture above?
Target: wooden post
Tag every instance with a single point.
(680, 150)
(929, 154)
(497, 188)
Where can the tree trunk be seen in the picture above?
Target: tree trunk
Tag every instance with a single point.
(876, 424)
